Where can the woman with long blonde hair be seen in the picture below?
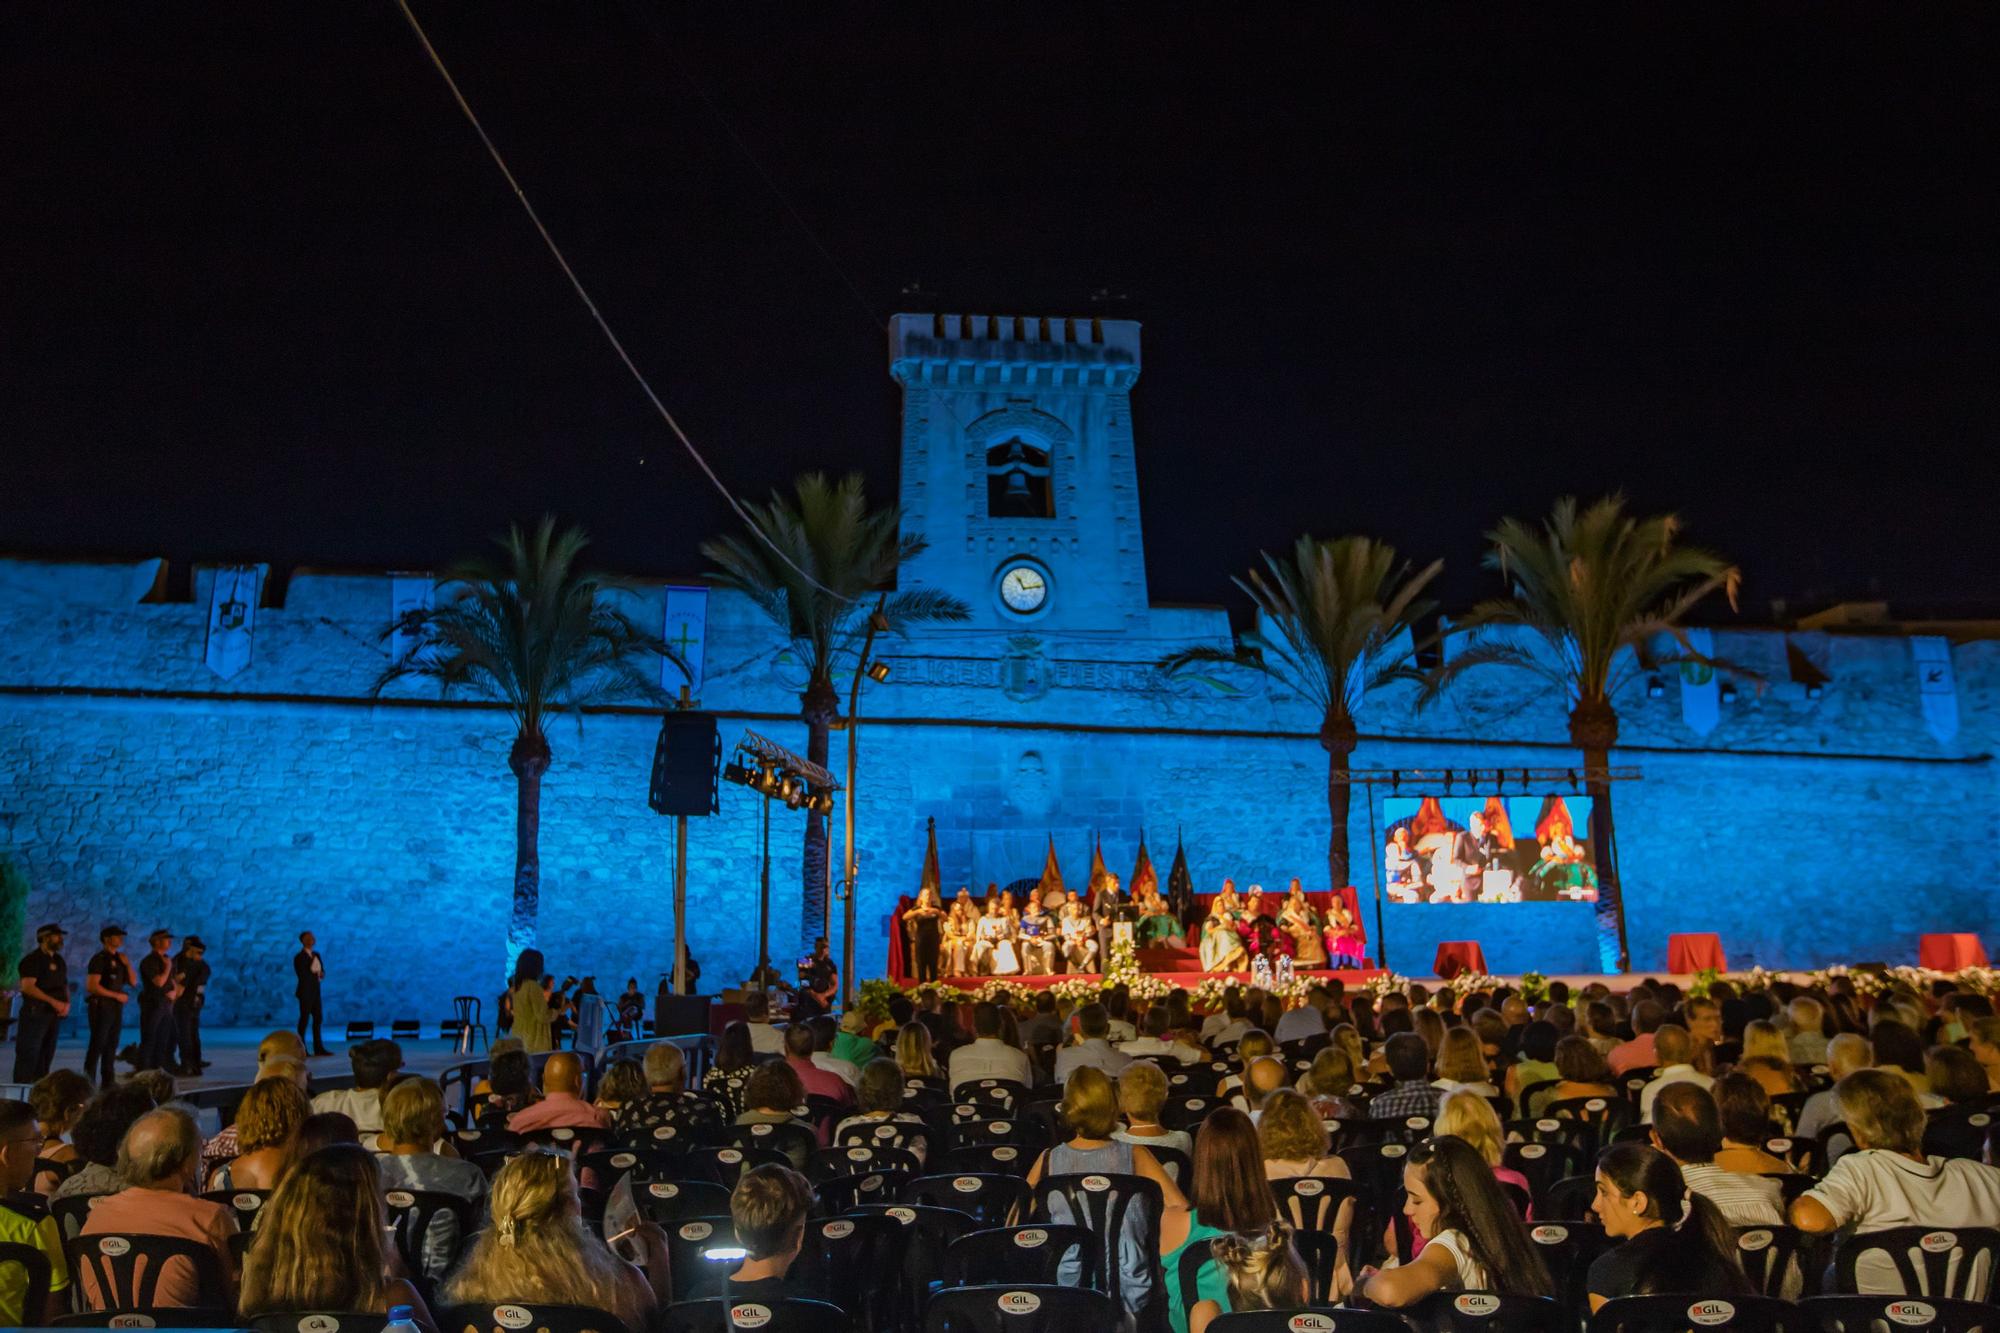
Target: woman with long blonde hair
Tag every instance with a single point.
(538, 1250)
(319, 1244)
(913, 1052)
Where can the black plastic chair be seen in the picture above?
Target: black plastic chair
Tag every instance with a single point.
(515, 1316)
(1185, 1112)
(993, 1201)
(911, 1138)
(1378, 1170)
(1770, 1257)
(569, 1139)
(1100, 1201)
(319, 1321)
(608, 1166)
(1312, 1203)
(844, 1193)
(1570, 1200)
(35, 1270)
(858, 1160)
(1000, 1094)
(701, 1253)
(1312, 1319)
(1020, 1308)
(71, 1213)
(168, 1316)
(246, 1204)
(414, 1217)
(1005, 1159)
(126, 1269)
(1530, 1101)
(1957, 1131)
(1024, 1133)
(1031, 1253)
(1676, 1314)
(796, 1142)
(1544, 1165)
(1865, 1314)
(1603, 1117)
(668, 1201)
(1568, 1249)
(853, 1262)
(1177, 1164)
(1952, 1262)
(721, 1316)
(1487, 1312)
(1801, 1154)
(929, 1233)
(725, 1166)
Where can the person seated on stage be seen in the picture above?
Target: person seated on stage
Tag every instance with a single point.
(1158, 927)
(1155, 1040)
(562, 1105)
(1142, 1091)
(987, 1056)
(1345, 946)
(961, 935)
(1036, 934)
(1079, 936)
(1092, 1047)
(768, 1209)
(1221, 944)
(879, 1101)
(994, 954)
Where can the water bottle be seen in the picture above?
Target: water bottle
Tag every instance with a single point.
(402, 1319)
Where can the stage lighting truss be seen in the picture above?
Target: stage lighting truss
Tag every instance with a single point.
(775, 773)
(1478, 782)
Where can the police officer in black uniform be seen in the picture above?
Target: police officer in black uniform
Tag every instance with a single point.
(191, 986)
(107, 986)
(156, 1009)
(44, 1004)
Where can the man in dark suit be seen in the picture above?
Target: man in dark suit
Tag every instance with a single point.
(310, 971)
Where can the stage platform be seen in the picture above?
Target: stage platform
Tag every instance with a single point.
(1353, 977)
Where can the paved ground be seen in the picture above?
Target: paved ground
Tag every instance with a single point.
(232, 1056)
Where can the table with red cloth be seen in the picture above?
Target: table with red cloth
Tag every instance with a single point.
(1696, 952)
(1456, 956)
(1951, 953)
(902, 966)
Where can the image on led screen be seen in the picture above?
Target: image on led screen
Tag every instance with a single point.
(1488, 849)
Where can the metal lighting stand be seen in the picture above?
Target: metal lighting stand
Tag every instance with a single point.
(878, 672)
(774, 769)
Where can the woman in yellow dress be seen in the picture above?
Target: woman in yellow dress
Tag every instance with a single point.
(1302, 923)
(1221, 946)
(959, 926)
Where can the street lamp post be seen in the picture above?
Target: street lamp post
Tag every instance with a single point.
(876, 623)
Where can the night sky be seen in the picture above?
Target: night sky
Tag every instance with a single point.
(1402, 270)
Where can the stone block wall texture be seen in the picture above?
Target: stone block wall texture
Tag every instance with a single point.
(137, 786)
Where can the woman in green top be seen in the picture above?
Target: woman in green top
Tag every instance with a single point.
(1227, 1195)
(1535, 1064)
(1158, 927)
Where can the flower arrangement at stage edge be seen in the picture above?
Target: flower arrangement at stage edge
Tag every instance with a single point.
(1703, 982)
(1864, 983)
(873, 999)
(1465, 983)
(1534, 988)
(1208, 995)
(1384, 984)
(1918, 979)
(1756, 978)
(1979, 980)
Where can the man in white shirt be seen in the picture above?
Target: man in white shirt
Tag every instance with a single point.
(1154, 1043)
(1235, 1019)
(1118, 1004)
(824, 1029)
(1675, 1049)
(764, 1039)
(987, 1056)
(1094, 1049)
(373, 1062)
(1688, 1128)
(1844, 1054)
(1308, 1020)
(1888, 1182)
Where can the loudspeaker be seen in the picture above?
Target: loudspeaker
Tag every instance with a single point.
(684, 761)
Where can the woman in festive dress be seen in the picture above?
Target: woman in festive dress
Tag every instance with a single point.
(1343, 934)
(1400, 868)
(993, 955)
(960, 925)
(924, 923)
(1564, 868)
(1037, 936)
(1221, 945)
(1158, 928)
(1301, 922)
(1079, 937)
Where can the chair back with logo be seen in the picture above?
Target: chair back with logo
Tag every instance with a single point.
(1022, 1133)
(34, 1266)
(569, 1138)
(1870, 1314)
(1570, 1200)
(1952, 1262)
(1770, 1259)
(992, 1200)
(1543, 1164)
(1377, 1169)
(117, 1271)
(843, 1194)
(724, 1166)
(1312, 1319)
(860, 1159)
(1000, 1095)
(1031, 1253)
(248, 1205)
(721, 1316)
(1677, 1314)
(1568, 1249)
(608, 1166)
(1602, 1116)
(1957, 1131)
(428, 1245)
(886, 1134)
(1019, 1308)
(855, 1262)
(1186, 1112)
(1312, 1203)
(1488, 1312)
(701, 1253)
(797, 1142)
(1800, 1154)
(1102, 1202)
(320, 1321)
(515, 1316)
(71, 1212)
(669, 1201)
(928, 1233)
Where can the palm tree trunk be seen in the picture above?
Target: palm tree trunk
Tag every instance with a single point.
(820, 704)
(529, 759)
(1338, 738)
(1593, 729)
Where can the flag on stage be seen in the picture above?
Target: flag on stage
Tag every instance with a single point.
(1051, 883)
(232, 618)
(1180, 885)
(1144, 878)
(1100, 875)
(931, 878)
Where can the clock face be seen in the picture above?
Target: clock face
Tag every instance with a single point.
(1024, 589)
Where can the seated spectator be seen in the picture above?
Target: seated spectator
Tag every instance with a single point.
(1305, 1020)
(99, 1131)
(986, 1056)
(1154, 1042)
(623, 1085)
(1227, 1195)
(764, 1038)
(1582, 1071)
(816, 1081)
(1118, 1012)
(1887, 1181)
(1461, 1063)
(1955, 1076)
(58, 1097)
(1409, 1062)
(1230, 1022)
(1092, 1047)
(319, 1243)
(772, 1096)
(538, 1250)
(1467, 1115)
(852, 1044)
(1688, 1128)
(1745, 1113)
(913, 1052)
(1348, 1038)
(769, 1207)
(1477, 1242)
(879, 1101)
(666, 1100)
(1090, 1109)
(227, 1144)
(324, 1129)
(20, 1139)
(159, 1160)
(1044, 1027)
(1329, 1082)
(1806, 1038)
(1638, 1053)
(510, 1085)
(1142, 1091)
(373, 1062)
(825, 1031)
(1261, 1272)
(1293, 1142)
(1898, 1047)
(1262, 1077)
(1846, 1053)
(562, 1105)
(268, 1121)
(1675, 1239)
(1767, 1057)
(1536, 1061)
(1674, 1049)
(734, 1059)
(1983, 1040)
(412, 1122)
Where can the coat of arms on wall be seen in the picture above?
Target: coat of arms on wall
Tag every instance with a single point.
(1024, 669)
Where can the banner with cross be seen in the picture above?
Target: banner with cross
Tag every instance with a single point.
(686, 628)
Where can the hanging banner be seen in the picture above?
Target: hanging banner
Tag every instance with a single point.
(686, 629)
(1701, 692)
(407, 593)
(232, 619)
(1937, 688)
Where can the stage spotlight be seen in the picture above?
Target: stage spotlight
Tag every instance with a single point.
(1655, 688)
(820, 802)
(788, 790)
(878, 672)
(738, 774)
(765, 780)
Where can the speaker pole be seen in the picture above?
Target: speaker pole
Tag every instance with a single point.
(681, 884)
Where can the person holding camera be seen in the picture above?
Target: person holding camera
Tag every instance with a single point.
(819, 982)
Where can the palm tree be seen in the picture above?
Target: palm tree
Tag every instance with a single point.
(538, 634)
(1330, 619)
(818, 565)
(1586, 586)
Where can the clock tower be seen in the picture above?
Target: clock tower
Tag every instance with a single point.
(1018, 469)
